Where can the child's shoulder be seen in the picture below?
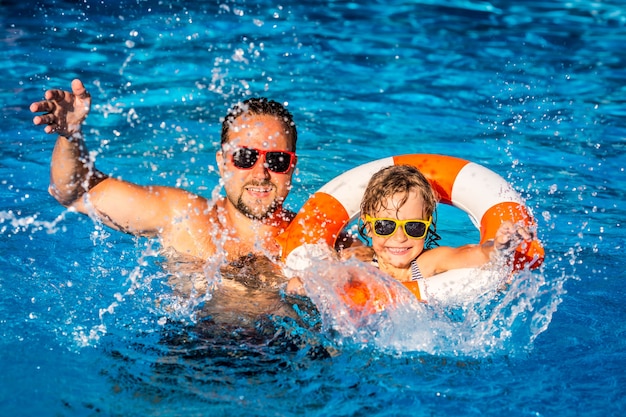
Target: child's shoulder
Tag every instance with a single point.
(432, 261)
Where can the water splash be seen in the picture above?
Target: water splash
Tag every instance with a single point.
(12, 223)
(491, 321)
(191, 282)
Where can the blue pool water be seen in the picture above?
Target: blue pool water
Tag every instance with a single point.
(533, 90)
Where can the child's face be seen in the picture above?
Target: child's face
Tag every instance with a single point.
(398, 250)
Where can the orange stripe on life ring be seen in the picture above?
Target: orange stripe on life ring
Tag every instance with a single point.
(527, 253)
(414, 287)
(441, 171)
(320, 219)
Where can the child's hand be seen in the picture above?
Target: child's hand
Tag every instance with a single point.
(295, 287)
(362, 253)
(510, 235)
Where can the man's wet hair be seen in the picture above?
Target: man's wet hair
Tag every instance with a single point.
(261, 106)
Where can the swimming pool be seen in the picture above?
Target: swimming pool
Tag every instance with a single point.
(533, 90)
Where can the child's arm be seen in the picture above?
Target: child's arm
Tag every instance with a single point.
(444, 258)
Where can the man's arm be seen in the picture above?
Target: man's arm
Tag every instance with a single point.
(75, 182)
(72, 172)
(142, 210)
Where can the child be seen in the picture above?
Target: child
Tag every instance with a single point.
(397, 215)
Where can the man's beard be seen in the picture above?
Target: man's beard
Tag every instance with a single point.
(255, 214)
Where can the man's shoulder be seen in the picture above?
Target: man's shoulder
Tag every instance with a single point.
(184, 201)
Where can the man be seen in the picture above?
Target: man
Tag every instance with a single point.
(256, 162)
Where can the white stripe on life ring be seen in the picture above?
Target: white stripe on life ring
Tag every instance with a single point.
(348, 188)
(476, 189)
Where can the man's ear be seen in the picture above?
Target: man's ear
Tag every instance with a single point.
(219, 158)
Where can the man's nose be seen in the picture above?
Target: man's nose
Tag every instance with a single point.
(259, 170)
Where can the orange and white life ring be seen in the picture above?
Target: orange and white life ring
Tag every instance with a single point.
(485, 196)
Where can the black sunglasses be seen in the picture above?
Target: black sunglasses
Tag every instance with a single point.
(276, 161)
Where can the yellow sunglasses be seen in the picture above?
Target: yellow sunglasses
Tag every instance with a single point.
(413, 228)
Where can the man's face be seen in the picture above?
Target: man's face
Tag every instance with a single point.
(256, 192)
